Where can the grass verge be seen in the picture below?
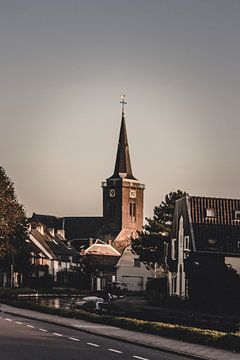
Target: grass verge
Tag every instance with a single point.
(227, 341)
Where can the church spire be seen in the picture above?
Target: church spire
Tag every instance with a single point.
(123, 167)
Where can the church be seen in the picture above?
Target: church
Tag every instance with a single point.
(122, 206)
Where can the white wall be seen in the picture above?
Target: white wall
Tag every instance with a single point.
(235, 262)
(135, 277)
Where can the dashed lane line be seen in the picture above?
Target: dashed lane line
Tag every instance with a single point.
(139, 357)
(116, 351)
(92, 344)
(57, 334)
(7, 319)
(43, 330)
(31, 326)
(73, 339)
(18, 322)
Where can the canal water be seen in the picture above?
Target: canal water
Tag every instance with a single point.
(66, 302)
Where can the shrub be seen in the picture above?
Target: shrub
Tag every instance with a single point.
(228, 341)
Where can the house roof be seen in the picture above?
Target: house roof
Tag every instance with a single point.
(54, 247)
(76, 227)
(223, 211)
(102, 248)
(214, 223)
(49, 220)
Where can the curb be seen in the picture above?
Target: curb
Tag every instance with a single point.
(164, 349)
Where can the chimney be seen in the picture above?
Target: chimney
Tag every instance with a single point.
(52, 231)
(61, 233)
(40, 229)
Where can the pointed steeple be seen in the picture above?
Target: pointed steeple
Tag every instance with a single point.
(123, 167)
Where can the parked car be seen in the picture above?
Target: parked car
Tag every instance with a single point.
(117, 287)
(89, 302)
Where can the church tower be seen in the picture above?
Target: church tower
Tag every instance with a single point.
(122, 196)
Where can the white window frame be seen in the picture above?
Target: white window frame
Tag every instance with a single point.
(210, 212)
(212, 242)
(237, 215)
(174, 283)
(173, 249)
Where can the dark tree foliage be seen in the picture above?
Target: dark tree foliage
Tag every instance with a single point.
(151, 242)
(13, 227)
(214, 286)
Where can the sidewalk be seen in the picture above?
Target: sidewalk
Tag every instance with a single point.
(152, 341)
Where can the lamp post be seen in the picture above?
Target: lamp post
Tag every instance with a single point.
(12, 269)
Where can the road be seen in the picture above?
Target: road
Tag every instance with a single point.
(25, 339)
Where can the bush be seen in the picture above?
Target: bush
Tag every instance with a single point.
(228, 341)
(156, 291)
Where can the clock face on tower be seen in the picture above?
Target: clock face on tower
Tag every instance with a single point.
(112, 193)
(132, 194)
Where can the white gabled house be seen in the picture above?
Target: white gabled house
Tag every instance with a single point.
(51, 253)
(131, 271)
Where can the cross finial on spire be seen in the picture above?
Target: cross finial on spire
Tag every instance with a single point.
(123, 102)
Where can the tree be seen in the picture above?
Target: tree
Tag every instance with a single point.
(13, 228)
(151, 244)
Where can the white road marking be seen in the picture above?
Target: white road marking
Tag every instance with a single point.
(74, 339)
(92, 344)
(139, 357)
(57, 334)
(116, 351)
(18, 322)
(8, 319)
(31, 326)
(44, 330)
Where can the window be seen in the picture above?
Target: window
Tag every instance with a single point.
(132, 211)
(136, 263)
(174, 249)
(238, 245)
(112, 211)
(186, 246)
(174, 283)
(210, 212)
(237, 215)
(212, 242)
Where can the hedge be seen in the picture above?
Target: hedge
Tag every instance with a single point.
(227, 341)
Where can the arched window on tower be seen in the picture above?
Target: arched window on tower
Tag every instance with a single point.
(112, 211)
(132, 211)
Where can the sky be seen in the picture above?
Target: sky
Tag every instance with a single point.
(64, 65)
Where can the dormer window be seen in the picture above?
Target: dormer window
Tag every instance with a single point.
(212, 242)
(237, 215)
(210, 212)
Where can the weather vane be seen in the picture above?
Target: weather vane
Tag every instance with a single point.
(123, 102)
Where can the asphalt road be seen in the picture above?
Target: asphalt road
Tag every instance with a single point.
(25, 339)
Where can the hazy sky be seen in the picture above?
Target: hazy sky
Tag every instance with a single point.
(63, 66)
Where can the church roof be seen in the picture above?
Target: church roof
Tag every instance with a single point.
(83, 227)
(123, 168)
